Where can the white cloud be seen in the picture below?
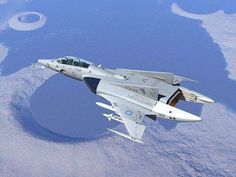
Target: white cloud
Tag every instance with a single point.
(16, 24)
(3, 24)
(9, 12)
(206, 148)
(3, 2)
(190, 149)
(3, 53)
(222, 28)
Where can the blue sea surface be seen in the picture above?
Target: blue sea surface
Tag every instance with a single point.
(133, 34)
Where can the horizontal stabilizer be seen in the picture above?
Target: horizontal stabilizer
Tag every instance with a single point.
(178, 114)
(126, 136)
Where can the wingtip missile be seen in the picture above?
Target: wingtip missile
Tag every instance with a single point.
(126, 136)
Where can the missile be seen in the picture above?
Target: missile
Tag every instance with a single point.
(105, 106)
(113, 117)
(126, 136)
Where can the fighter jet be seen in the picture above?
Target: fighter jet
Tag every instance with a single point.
(133, 94)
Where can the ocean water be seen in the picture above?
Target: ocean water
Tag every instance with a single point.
(132, 34)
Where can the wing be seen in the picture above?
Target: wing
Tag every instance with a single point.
(129, 116)
(165, 76)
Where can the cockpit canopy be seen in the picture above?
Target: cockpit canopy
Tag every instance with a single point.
(74, 61)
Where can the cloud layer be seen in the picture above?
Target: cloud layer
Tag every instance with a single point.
(15, 23)
(3, 2)
(192, 149)
(206, 148)
(222, 28)
(3, 52)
